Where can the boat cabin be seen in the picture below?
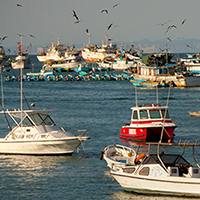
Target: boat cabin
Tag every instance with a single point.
(150, 112)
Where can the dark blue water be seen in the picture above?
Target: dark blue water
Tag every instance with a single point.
(101, 107)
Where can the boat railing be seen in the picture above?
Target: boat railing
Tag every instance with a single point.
(80, 133)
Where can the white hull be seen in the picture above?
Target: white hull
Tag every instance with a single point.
(21, 64)
(180, 186)
(39, 147)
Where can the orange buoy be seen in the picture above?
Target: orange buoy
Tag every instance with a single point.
(32, 105)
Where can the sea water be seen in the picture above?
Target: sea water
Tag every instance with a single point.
(101, 107)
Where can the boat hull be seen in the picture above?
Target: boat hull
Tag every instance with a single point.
(172, 186)
(39, 147)
(148, 134)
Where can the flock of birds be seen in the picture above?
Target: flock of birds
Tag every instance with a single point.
(173, 26)
(75, 15)
(102, 11)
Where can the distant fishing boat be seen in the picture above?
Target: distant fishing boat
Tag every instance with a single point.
(22, 59)
(149, 84)
(157, 67)
(93, 53)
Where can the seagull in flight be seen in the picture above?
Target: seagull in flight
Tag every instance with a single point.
(188, 45)
(20, 35)
(183, 21)
(169, 39)
(31, 35)
(104, 10)
(109, 26)
(19, 5)
(169, 28)
(115, 5)
(3, 38)
(75, 15)
(162, 24)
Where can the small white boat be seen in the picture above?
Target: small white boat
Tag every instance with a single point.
(194, 114)
(38, 134)
(160, 173)
(118, 154)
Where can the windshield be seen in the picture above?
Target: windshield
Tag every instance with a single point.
(38, 119)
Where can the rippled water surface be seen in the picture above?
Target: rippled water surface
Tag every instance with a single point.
(101, 107)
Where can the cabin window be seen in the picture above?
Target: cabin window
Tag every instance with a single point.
(135, 116)
(165, 113)
(154, 114)
(144, 171)
(129, 170)
(143, 114)
(41, 119)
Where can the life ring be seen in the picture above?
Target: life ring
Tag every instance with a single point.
(142, 155)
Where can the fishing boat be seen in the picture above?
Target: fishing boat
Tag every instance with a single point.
(148, 123)
(22, 60)
(160, 173)
(147, 83)
(118, 154)
(56, 52)
(93, 53)
(158, 67)
(194, 114)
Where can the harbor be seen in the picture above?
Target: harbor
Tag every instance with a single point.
(99, 101)
(102, 107)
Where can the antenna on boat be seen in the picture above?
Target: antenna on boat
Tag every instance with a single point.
(161, 136)
(136, 96)
(157, 94)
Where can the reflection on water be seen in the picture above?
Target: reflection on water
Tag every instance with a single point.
(33, 165)
(132, 196)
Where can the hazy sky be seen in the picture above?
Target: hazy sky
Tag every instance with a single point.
(132, 20)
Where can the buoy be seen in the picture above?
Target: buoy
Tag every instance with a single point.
(32, 105)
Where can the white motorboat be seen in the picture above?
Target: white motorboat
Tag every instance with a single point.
(36, 133)
(118, 154)
(160, 173)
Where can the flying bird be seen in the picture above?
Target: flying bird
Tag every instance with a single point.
(3, 38)
(104, 10)
(20, 35)
(109, 26)
(188, 45)
(19, 5)
(169, 28)
(115, 5)
(183, 21)
(162, 24)
(75, 15)
(31, 35)
(169, 39)
(87, 31)
(77, 22)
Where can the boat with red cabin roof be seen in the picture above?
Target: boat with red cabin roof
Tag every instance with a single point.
(148, 123)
